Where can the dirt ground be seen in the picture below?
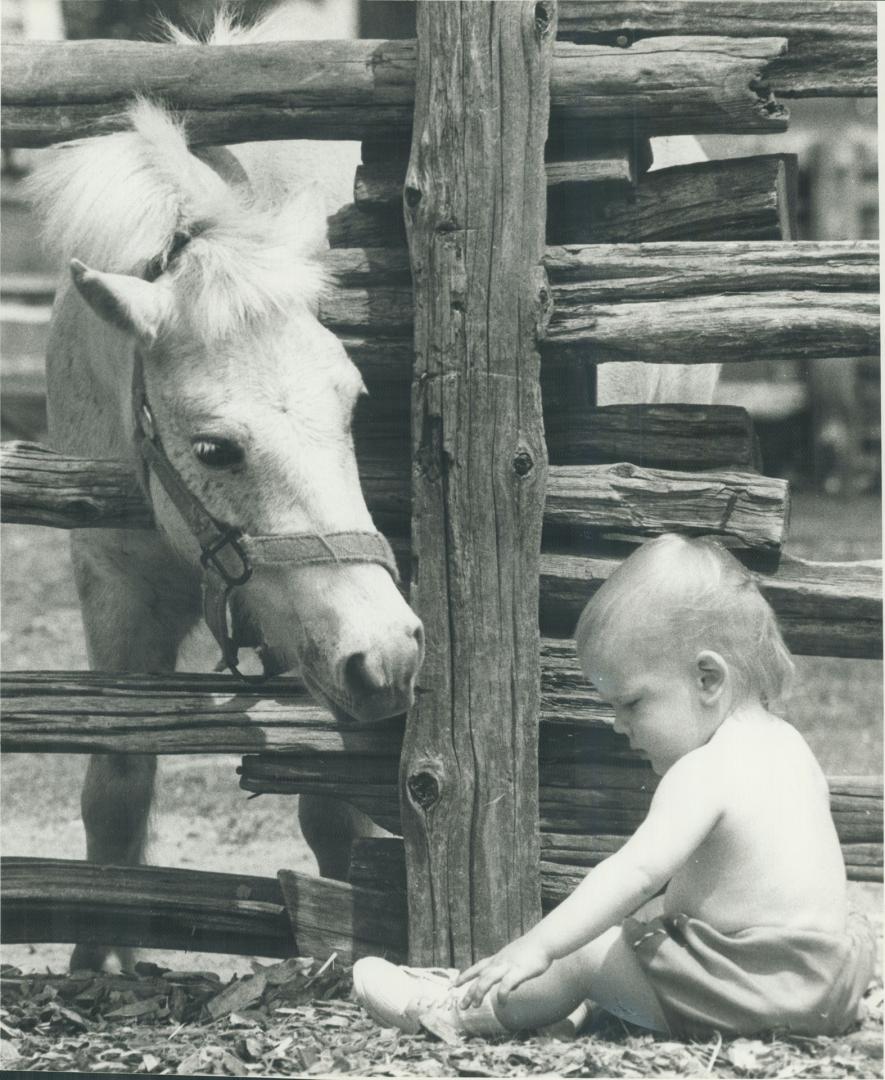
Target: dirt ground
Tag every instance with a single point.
(204, 820)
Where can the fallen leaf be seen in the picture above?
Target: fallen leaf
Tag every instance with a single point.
(238, 995)
(744, 1054)
(438, 1025)
(145, 1007)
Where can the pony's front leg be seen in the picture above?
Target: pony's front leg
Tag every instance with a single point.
(135, 619)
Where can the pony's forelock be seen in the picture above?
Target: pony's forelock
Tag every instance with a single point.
(120, 202)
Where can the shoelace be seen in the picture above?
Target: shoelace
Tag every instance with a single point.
(423, 1002)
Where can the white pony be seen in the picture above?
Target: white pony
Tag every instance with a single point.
(189, 345)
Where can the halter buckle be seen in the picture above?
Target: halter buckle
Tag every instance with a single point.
(210, 559)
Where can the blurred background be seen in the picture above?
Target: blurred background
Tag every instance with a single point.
(818, 423)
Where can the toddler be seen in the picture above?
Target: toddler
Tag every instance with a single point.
(756, 932)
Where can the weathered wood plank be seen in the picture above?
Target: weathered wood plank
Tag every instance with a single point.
(676, 436)
(823, 609)
(91, 712)
(626, 500)
(62, 900)
(656, 271)
(378, 185)
(749, 198)
(475, 202)
(337, 917)
(41, 487)
(95, 712)
(726, 328)
(832, 43)
(679, 302)
(365, 89)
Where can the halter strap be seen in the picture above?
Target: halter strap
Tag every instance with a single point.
(228, 554)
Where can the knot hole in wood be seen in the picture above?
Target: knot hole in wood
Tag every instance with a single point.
(523, 462)
(542, 19)
(423, 788)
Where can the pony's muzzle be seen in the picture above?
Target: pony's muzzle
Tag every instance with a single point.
(379, 681)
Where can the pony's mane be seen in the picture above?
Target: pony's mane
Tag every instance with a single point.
(121, 202)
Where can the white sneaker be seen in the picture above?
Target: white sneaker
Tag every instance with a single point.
(404, 997)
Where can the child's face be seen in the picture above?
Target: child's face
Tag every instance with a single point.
(658, 705)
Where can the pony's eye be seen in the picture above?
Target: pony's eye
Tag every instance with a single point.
(217, 453)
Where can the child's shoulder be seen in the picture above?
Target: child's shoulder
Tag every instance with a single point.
(762, 743)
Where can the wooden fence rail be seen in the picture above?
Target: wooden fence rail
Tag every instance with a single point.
(366, 89)
(589, 776)
(157, 907)
(40, 487)
(749, 198)
(658, 302)
(832, 48)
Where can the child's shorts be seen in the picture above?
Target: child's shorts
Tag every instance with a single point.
(755, 980)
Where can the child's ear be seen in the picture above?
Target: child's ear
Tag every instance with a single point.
(712, 672)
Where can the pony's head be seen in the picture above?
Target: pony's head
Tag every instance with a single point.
(254, 400)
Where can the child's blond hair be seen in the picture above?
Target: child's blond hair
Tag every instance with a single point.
(680, 596)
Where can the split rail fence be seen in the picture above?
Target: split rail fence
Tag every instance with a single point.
(505, 786)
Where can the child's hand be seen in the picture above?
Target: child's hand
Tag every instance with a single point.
(508, 968)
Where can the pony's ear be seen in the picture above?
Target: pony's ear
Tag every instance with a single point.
(126, 302)
(305, 215)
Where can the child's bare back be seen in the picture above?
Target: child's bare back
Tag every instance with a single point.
(773, 858)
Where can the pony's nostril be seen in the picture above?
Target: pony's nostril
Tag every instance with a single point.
(418, 635)
(360, 677)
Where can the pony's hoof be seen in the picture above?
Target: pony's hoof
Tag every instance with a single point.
(97, 958)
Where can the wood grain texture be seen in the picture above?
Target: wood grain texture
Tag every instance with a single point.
(378, 185)
(474, 206)
(679, 436)
(832, 43)
(366, 89)
(823, 609)
(750, 198)
(346, 919)
(625, 499)
(63, 900)
(40, 487)
(677, 302)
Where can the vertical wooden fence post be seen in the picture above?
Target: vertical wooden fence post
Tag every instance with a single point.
(475, 204)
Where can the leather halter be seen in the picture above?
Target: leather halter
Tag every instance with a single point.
(228, 553)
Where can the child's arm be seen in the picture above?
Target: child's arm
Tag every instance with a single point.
(685, 808)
